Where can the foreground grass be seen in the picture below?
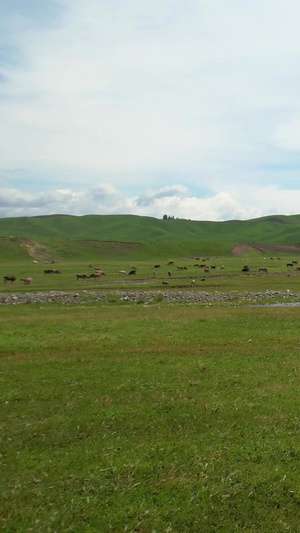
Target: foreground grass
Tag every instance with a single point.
(149, 418)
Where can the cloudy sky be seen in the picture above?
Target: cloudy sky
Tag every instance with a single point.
(189, 108)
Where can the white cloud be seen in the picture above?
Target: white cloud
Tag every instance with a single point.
(177, 201)
(166, 194)
(146, 95)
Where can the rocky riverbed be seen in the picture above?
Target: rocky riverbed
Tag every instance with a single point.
(247, 298)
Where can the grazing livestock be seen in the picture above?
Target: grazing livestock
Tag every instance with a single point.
(51, 271)
(55, 272)
(96, 275)
(123, 272)
(9, 278)
(156, 266)
(289, 265)
(165, 282)
(193, 282)
(222, 267)
(35, 262)
(81, 276)
(169, 273)
(206, 269)
(27, 281)
(245, 269)
(294, 262)
(213, 267)
(171, 263)
(132, 273)
(263, 269)
(154, 273)
(98, 271)
(180, 267)
(133, 267)
(53, 261)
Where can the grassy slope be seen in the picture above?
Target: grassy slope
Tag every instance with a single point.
(81, 250)
(12, 251)
(70, 237)
(136, 229)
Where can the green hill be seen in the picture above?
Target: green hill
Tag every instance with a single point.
(133, 228)
(72, 237)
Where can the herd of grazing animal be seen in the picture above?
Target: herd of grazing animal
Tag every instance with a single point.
(97, 274)
(132, 270)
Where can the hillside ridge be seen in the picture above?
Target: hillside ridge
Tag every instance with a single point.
(72, 237)
(134, 228)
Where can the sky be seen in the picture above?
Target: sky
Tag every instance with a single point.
(189, 108)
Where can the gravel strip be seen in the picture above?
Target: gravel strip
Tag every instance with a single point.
(248, 298)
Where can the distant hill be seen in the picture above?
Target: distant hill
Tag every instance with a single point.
(71, 237)
(131, 228)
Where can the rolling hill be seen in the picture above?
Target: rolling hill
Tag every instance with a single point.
(71, 237)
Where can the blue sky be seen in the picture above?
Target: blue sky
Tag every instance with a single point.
(186, 108)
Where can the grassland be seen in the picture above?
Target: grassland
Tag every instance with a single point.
(164, 418)
(160, 417)
(227, 279)
(14, 249)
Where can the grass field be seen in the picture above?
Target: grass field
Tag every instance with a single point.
(228, 279)
(134, 417)
(166, 418)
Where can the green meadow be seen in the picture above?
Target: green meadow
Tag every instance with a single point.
(149, 417)
(143, 418)
(227, 277)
